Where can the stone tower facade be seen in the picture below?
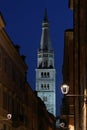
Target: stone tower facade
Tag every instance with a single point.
(45, 72)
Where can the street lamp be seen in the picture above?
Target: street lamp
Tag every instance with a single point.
(65, 90)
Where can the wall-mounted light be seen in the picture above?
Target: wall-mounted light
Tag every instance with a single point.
(8, 117)
(65, 90)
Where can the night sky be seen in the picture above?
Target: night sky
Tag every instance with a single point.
(24, 26)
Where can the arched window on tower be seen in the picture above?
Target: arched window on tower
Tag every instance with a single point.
(48, 74)
(51, 64)
(47, 86)
(40, 64)
(42, 74)
(46, 64)
(42, 86)
(45, 74)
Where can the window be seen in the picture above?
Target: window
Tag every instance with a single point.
(47, 86)
(41, 74)
(45, 98)
(51, 64)
(47, 74)
(45, 64)
(42, 86)
(40, 64)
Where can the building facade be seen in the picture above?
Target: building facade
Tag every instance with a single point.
(12, 82)
(16, 95)
(67, 111)
(45, 72)
(76, 75)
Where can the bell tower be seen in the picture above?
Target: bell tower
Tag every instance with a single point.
(45, 72)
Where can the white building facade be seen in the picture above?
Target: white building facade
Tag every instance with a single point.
(45, 72)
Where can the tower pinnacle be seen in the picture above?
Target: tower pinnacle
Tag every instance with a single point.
(45, 43)
(45, 16)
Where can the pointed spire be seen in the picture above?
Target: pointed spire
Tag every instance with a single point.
(45, 15)
(45, 43)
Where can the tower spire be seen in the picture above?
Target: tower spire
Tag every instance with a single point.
(45, 15)
(45, 43)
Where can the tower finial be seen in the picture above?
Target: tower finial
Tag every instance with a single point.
(45, 15)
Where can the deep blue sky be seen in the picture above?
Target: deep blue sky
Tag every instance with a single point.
(24, 25)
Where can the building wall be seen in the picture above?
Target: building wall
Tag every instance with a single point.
(12, 80)
(67, 111)
(78, 80)
(80, 34)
